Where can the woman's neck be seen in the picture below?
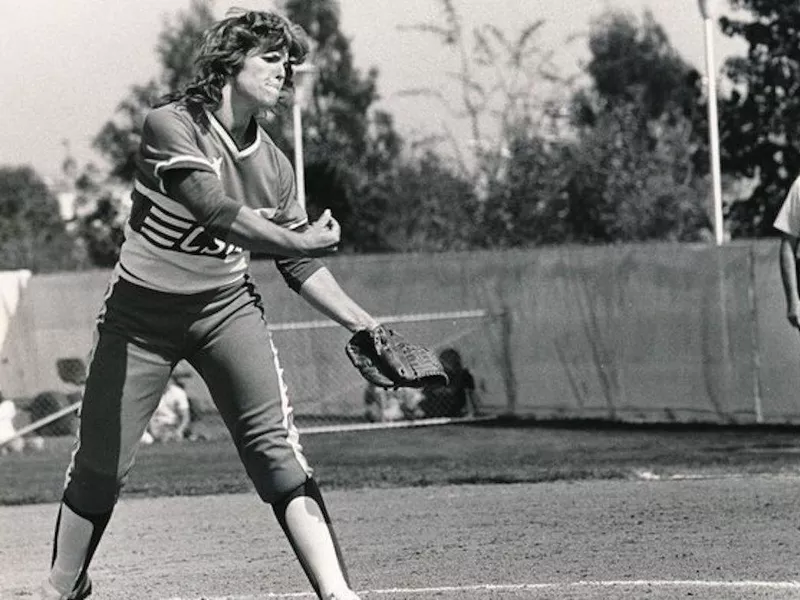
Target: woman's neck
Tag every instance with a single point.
(235, 119)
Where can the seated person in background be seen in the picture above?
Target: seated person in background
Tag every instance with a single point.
(384, 405)
(173, 415)
(459, 397)
(8, 411)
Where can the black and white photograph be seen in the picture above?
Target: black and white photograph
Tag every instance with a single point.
(409, 300)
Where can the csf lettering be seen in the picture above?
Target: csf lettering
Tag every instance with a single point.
(198, 241)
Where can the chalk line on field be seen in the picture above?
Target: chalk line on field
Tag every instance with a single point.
(521, 587)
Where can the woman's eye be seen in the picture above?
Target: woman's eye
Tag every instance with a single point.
(272, 58)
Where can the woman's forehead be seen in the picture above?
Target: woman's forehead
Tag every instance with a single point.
(272, 45)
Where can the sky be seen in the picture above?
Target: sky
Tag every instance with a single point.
(66, 64)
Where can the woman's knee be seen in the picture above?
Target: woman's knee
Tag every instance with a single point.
(276, 469)
(91, 490)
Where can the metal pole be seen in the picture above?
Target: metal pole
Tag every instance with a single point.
(713, 128)
(299, 167)
(304, 82)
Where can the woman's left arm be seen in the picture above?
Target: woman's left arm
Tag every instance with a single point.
(323, 292)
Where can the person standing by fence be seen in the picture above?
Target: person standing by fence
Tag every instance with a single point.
(788, 223)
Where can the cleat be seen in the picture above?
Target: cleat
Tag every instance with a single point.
(82, 589)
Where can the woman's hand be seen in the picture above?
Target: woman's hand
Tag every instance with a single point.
(322, 236)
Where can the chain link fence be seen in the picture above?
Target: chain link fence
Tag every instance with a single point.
(327, 393)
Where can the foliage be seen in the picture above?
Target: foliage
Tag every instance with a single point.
(620, 159)
(635, 63)
(501, 81)
(633, 184)
(351, 151)
(100, 223)
(32, 234)
(634, 172)
(617, 162)
(528, 204)
(760, 120)
(349, 146)
(118, 139)
(422, 205)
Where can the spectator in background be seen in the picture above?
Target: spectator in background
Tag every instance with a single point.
(171, 420)
(458, 398)
(8, 443)
(788, 224)
(386, 405)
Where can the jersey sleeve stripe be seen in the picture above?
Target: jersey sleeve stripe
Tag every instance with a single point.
(182, 161)
(296, 225)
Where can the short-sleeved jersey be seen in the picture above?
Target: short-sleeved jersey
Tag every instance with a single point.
(788, 219)
(165, 247)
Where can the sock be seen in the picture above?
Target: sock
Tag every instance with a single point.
(306, 523)
(75, 541)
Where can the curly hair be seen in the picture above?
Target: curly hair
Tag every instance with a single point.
(225, 46)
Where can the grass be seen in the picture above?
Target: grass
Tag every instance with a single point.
(501, 451)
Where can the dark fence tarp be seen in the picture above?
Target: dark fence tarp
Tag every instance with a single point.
(654, 332)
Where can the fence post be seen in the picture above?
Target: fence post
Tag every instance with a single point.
(509, 379)
(754, 336)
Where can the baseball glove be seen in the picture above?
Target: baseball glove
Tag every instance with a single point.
(387, 359)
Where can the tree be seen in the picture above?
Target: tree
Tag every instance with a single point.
(629, 184)
(622, 167)
(528, 204)
(634, 62)
(760, 119)
(100, 221)
(501, 82)
(100, 228)
(118, 139)
(349, 145)
(422, 205)
(32, 233)
(635, 155)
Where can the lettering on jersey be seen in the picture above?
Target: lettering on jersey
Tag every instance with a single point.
(172, 232)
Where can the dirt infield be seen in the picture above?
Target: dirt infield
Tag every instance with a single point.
(711, 538)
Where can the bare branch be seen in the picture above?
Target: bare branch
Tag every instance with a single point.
(446, 36)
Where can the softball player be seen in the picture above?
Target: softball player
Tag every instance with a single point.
(210, 187)
(788, 223)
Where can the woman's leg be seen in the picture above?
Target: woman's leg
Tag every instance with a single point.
(123, 387)
(239, 363)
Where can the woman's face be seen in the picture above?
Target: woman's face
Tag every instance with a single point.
(258, 85)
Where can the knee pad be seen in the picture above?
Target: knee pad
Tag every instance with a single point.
(274, 482)
(309, 489)
(90, 492)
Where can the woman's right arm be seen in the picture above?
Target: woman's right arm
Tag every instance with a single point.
(202, 194)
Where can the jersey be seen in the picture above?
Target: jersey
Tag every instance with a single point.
(788, 219)
(165, 247)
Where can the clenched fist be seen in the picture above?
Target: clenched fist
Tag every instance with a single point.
(323, 235)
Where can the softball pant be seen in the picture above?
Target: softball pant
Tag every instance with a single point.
(141, 335)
